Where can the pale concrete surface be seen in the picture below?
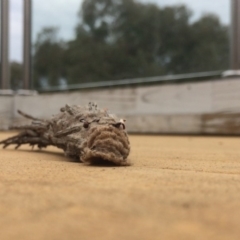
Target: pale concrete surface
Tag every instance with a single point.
(177, 188)
(162, 108)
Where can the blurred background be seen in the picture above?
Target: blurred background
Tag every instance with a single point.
(163, 64)
(99, 40)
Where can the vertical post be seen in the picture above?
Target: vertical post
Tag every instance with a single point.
(27, 13)
(235, 35)
(4, 78)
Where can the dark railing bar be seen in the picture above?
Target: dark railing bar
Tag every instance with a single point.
(235, 35)
(4, 45)
(27, 19)
(112, 83)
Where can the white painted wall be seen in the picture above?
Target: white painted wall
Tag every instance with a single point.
(197, 107)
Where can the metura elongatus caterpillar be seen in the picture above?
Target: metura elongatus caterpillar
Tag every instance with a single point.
(90, 134)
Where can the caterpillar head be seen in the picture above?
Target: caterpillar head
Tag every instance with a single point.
(107, 143)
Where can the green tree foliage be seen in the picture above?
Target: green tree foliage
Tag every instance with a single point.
(118, 39)
(16, 70)
(49, 58)
(210, 45)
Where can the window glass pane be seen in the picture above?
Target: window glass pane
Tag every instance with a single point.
(98, 40)
(16, 43)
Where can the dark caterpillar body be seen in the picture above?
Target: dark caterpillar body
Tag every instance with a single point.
(90, 134)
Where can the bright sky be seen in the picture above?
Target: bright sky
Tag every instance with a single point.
(66, 17)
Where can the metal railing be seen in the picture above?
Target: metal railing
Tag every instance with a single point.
(136, 81)
(4, 47)
(4, 28)
(27, 26)
(235, 35)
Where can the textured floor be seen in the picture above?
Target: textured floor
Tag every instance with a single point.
(177, 188)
